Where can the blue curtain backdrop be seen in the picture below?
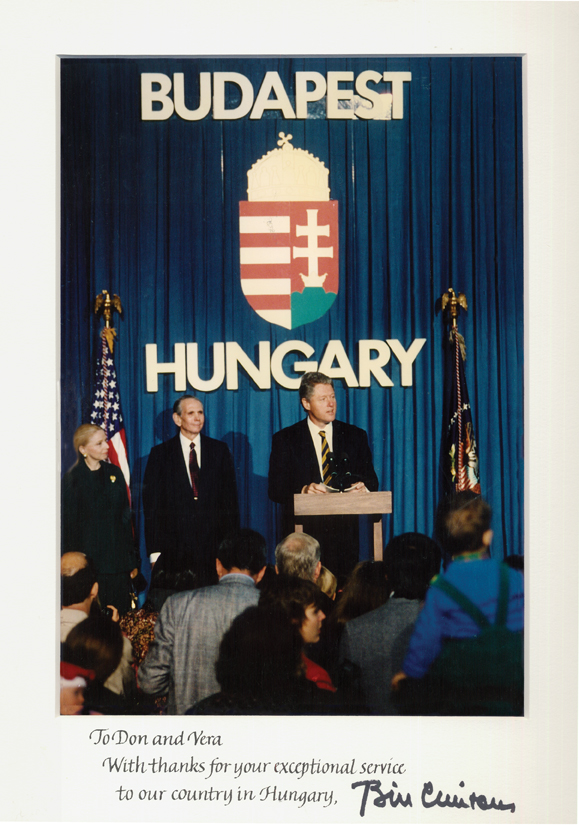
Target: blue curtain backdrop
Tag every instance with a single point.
(150, 211)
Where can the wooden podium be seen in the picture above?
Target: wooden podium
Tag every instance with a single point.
(345, 504)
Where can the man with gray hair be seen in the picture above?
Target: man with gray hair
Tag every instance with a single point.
(189, 494)
(299, 555)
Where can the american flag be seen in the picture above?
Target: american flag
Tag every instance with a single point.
(106, 408)
(461, 457)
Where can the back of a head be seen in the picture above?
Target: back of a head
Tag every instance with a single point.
(78, 576)
(327, 582)
(290, 595)
(244, 549)
(167, 580)
(260, 655)
(298, 555)
(268, 575)
(461, 522)
(366, 589)
(175, 579)
(95, 644)
(411, 560)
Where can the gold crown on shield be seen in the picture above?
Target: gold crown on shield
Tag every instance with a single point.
(288, 174)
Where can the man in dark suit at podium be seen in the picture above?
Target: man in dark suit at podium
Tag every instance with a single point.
(189, 495)
(300, 462)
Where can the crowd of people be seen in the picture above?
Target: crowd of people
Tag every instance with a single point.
(222, 632)
(400, 637)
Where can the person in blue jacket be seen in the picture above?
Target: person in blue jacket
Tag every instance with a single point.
(464, 531)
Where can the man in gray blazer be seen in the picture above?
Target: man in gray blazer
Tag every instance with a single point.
(188, 632)
(376, 642)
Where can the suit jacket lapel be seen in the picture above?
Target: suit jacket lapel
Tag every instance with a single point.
(207, 465)
(180, 472)
(308, 452)
(338, 439)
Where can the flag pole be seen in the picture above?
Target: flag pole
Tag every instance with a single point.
(106, 408)
(461, 450)
(107, 305)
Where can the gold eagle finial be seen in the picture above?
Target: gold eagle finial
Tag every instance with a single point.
(451, 300)
(106, 304)
(450, 303)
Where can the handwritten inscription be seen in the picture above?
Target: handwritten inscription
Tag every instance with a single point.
(301, 797)
(102, 736)
(189, 777)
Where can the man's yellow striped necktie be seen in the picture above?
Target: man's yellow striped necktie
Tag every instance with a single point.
(326, 474)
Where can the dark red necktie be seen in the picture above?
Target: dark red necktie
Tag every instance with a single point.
(194, 470)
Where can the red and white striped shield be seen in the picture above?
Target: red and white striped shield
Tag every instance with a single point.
(289, 259)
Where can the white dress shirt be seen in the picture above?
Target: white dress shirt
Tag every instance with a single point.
(186, 448)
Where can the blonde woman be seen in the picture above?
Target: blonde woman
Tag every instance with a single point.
(96, 517)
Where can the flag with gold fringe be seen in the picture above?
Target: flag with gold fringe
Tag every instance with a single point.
(461, 468)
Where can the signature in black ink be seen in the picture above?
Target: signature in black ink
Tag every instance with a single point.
(474, 800)
(394, 797)
(441, 800)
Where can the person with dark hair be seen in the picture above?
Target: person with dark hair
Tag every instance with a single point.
(366, 588)
(372, 646)
(268, 576)
(138, 625)
(166, 582)
(189, 494)
(79, 585)
(96, 516)
(411, 560)
(300, 462)
(300, 601)
(96, 644)
(244, 549)
(79, 595)
(181, 660)
(259, 667)
(477, 597)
